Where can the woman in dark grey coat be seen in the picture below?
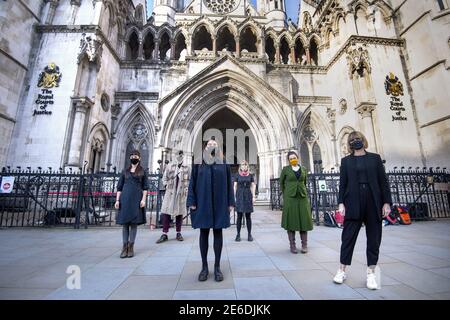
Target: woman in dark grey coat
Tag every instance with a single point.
(210, 198)
(244, 188)
(130, 200)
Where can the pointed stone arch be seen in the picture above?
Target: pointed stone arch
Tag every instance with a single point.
(226, 24)
(130, 32)
(139, 118)
(209, 25)
(165, 28)
(97, 146)
(313, 129)
(257, 106)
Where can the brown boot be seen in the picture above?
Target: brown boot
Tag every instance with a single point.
(124, 252)
(304, 238)
(291, 235)
(130, 250)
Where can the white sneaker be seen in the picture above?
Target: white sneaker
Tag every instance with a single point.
(371, 280)
(340, 277)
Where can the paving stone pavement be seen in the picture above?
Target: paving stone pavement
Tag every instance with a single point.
(414, 263)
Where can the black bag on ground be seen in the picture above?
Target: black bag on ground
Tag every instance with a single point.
(328, 220)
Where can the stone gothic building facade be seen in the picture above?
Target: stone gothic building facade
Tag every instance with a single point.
(86, 81)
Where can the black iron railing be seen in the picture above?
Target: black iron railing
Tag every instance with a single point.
(73, 199)
(424, 191)
(76, 199)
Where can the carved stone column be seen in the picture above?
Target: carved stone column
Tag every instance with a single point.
(81, 107)
(238, 47)
(308, 55)
(97, 11)
(277, 53)
(156, 50)
(365, 110)
(115, 111)
(141, 49)
(172, 50)
(293, 60)
(214, 44)
(53, 4)
(75, 7)
(331, 114)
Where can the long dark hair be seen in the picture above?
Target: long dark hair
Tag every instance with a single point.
(139, 172)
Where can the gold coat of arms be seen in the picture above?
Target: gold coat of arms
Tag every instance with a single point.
(393, 85)
(50, 77)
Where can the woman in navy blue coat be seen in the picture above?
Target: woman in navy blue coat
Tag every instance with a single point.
(210, 198)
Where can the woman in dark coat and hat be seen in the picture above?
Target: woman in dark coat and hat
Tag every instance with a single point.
(130, 200)
(210, 199)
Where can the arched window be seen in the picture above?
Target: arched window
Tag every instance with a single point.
(133, 47)
(225, 40)
(300, 53)
(164, 47)
(248, 40)
(304, 156)
(202, 39)
(285, 51)
(317, 157)
(270, 49)
(149, 46)
(180, 46)
(314, 52)
(138, 140)
(361, 22)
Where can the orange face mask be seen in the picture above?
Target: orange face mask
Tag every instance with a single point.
(293, 162)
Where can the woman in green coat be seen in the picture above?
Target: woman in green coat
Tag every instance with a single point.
(296, 208)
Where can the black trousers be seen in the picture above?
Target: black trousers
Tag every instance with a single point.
(371, 220)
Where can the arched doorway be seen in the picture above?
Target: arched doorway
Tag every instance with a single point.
(237, 140)
(228, 99)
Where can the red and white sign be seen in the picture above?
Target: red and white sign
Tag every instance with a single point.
(7, 185)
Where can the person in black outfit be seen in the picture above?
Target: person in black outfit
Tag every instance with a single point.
(130, 201)
(364, 197)
(244, 189)
(210, 199)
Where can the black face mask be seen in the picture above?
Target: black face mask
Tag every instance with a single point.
(134, 161)
(356, 145)
(211, 150)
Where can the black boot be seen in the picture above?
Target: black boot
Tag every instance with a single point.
(218, 275)
(124, 252)
(163, 238)
(238, 237)
(203, 276)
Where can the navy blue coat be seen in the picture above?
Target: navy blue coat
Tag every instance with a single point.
(211, 191)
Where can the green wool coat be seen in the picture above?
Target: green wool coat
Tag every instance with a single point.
(296, 214)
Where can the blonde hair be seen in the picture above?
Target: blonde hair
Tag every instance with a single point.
(242, 163)
(353, 135)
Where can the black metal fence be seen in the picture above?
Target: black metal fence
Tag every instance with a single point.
(71, 199)
(425, 192)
